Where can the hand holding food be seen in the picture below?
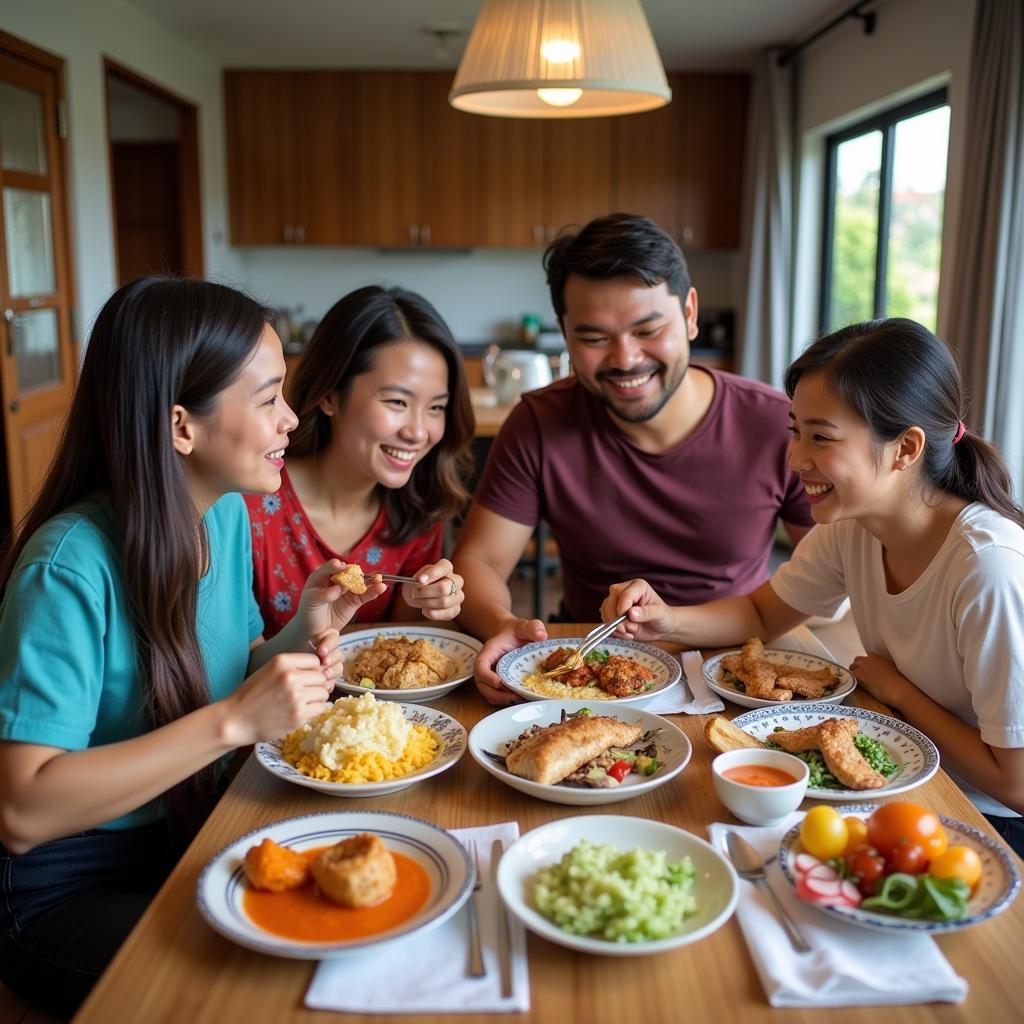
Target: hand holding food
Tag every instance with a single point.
(649, 617)
(439, 594)
(327, 604)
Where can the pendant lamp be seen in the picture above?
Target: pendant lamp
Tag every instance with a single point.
(560, 58)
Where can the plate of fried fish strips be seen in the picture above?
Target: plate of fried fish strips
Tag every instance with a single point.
(761, 677)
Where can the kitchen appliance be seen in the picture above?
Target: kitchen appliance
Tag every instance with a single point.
(512, 371)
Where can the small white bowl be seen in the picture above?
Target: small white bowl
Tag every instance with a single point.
(759, 805)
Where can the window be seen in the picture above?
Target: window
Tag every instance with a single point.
(883, 215)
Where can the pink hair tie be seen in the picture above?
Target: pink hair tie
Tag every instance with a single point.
(960, 431)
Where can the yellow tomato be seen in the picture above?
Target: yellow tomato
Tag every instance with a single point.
(857, 832)
(937, 844)
(957, 862)
(823, 833)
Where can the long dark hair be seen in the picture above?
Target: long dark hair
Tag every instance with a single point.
(158, 342)
(896, 374)
(344, 346)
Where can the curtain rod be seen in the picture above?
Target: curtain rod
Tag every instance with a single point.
(867, 18)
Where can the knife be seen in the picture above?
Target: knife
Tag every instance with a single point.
(504, 950)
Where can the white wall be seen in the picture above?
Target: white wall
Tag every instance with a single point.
(83, 33)
(917, 46)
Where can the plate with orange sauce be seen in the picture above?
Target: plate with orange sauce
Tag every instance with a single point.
(435, 878)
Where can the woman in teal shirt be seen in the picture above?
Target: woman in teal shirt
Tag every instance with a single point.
(131, 660)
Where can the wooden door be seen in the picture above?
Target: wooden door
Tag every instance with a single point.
(714, 129)
(388, 161)
(512, 182)
(449, 166)
(579, 161)
(323, 111)
(37, 359)
(262, 156)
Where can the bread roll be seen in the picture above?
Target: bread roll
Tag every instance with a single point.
(357, 872)
(722, 735)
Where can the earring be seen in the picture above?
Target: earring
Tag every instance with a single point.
(187, 451)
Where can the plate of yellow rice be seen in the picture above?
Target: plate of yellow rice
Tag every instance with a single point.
(361, 746)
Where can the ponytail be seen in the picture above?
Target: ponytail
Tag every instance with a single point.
(977, 472)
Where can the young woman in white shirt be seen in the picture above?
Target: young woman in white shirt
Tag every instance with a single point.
(919, 528)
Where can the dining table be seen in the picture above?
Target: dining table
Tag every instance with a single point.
(175, 967)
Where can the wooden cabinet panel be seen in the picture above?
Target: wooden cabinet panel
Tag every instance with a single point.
(512, 182)
(261, 155)
(388, 158)
(579, 159)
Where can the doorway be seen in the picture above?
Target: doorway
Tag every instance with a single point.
(154, 178)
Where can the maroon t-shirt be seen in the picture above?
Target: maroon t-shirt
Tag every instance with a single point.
(696, 521)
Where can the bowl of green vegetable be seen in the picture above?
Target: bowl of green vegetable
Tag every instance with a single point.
(617, 886)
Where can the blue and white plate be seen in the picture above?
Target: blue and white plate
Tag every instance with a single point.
(714, 677)
(453, 746)
(222, 884)
(916, 755)
(461, 648)
(514, 667)
(995, 891)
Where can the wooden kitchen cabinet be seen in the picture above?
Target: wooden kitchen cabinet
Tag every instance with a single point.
(290, 167)
(579, 166)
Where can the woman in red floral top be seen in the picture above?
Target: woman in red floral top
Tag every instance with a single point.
(377, 464)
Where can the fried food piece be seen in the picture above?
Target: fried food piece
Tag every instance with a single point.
(275, 868)
(758, 674)
(733, 663)
(722, 735)
(844, 760)
(351, 578)
(408, 675)
(397, 663)
(622, 677)
(796, 741)
(357, 872)
(555, 658)
(553, 753)
(801, 685)
(781, 694)
(433, 657)
(582, 676)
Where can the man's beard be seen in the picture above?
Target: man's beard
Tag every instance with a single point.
(646, 412)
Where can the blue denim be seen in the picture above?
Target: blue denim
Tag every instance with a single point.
(1011, 830)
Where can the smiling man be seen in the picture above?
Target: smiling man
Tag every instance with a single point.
(642, 464)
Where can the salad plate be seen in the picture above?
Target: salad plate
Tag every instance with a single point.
(716, 678)
(516, 667)
(220, 891)
(459, 647)
(995, 891)
(916, 757)
(496, 730)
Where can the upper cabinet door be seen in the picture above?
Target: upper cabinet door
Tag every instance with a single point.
(512, 183)
(323, 110)
(449, 166)
(388, 161)
(579, 157)
(262, 156)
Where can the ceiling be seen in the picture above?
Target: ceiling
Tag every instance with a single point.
(691, 34)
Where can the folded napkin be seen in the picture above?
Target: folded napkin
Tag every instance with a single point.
(848, 965)
(674, 701)
(426, 973)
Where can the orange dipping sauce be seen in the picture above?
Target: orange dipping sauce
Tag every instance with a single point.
(759, 775)
(303, 914)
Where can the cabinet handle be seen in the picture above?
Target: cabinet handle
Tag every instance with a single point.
(551, 232)
(300, 232)
(687, 234)
(425, 234)
(289, 233)
(15, 405)
(414, 234)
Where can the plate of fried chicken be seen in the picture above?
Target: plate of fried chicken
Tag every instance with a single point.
(758, 677)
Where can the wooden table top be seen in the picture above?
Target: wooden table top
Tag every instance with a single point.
(174, 967)
(489, 417)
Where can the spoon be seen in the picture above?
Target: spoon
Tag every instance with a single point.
(750, 866)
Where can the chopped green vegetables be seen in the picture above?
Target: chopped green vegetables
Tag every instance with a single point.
(598, 657)
(921, 896)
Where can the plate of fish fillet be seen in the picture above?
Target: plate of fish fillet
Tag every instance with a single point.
(759, 677)
(571, 752)
(903, 756)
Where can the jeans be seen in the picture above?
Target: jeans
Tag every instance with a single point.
(1011, 830)
(66, 906)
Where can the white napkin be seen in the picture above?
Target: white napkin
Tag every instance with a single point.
(848, 965)
(673, 702)
(427, 973)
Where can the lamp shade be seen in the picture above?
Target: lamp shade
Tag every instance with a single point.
(560, 58)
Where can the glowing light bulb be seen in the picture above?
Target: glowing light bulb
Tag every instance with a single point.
(559, 97)
(559, 51)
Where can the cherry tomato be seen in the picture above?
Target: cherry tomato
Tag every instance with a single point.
(902, 820)
(908, 858)
(857, 829)
(957, 862)
(620, 770)
(867, 866)
(823, 833)
(937, 844)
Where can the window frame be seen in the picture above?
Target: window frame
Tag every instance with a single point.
(885, 122)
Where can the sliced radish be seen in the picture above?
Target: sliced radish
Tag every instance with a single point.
(805, 862)
(823, 872)
(851, 892)
(823, 888)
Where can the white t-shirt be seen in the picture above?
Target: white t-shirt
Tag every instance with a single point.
(957, 632)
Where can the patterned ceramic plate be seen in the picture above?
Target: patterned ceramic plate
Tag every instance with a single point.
(461, 648)
(222, 886)
(916, 755)
(514, 667)
(453, 746)
(994, 892)
(714, 676)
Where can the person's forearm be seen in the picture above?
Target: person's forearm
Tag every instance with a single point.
(80, 789)
(722, 623)
(488, 603)
(290, 638)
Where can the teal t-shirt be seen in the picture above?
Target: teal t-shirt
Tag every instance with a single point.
(68, 671)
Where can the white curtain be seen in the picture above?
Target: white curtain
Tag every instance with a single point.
(764, 339)
(986, 321)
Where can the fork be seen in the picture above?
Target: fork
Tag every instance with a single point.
(596, 636)
(476, 956)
